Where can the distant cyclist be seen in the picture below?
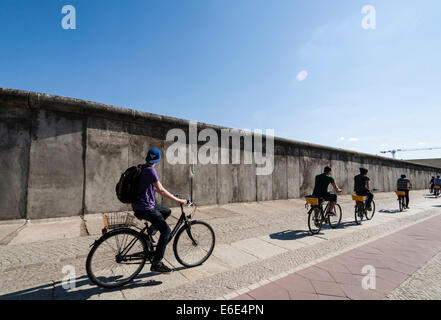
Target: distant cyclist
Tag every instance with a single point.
(146, 207)
(437, 183)
(432, 184)
(322, 182)
(403, 184)
(362, 188)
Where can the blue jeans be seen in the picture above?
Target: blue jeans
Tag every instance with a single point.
(157, 217)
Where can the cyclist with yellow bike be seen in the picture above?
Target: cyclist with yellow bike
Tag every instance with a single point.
(361, 187)
(437, 186)
(403, 185)
(322, 182)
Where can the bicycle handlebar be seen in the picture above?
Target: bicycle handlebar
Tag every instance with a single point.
(189, 202)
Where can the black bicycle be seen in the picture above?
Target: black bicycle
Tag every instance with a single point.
(118, 256)
(361, 210)
(401, 200)
(317, 215)
(436, 191)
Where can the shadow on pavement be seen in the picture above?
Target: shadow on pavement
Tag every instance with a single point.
(299, 234)
(390, 211)
(347, 224)
(290, 235)
(54, 291)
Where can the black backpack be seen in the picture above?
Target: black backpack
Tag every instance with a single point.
(127, 186)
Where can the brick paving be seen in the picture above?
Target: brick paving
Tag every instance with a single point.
(395, 257)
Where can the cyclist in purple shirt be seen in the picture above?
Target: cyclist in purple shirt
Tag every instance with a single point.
(146, 207)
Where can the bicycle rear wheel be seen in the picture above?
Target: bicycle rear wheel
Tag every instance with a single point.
(370, 214)
(359, 214)
(314, 220)
(116, 258)
(401, 204)
(334, 221)
(194, 243)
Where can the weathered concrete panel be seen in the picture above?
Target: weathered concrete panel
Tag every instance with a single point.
(264, 187)
(175, 178)
(15, 124)
(280, 176)
(312, 163)
(227, 183)
(141, 139)
(56, 169)
(247, 181)
(227, 180)
(205, 184)
(107, 156)
(293, 173)
(339, 165)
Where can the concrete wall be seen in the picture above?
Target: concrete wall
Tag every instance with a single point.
(63, 157)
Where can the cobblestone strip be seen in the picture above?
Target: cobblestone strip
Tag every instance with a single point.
(425, 284)
(19, 255)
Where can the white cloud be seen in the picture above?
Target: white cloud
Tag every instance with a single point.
(421, 143)
(302, 75)
(341, 138)
(354, 139)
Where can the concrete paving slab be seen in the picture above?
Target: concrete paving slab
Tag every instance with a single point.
(94, 223)
(286, 244)
(148, 283)
(212, 266)
(214, 213)
(232, 256)
(247, 208)
(258, 248)
(53, 230)
(7, 229)
(313, 240)
(86, 291)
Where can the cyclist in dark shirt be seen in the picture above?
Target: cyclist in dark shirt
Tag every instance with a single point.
(147, 208)
(432, 184)
(436, 184)
(361, 187)
(322, 182)
(403, 184)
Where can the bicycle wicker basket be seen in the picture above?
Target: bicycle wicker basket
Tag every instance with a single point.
(115, 220)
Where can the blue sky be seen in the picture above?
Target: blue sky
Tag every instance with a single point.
(235, 64)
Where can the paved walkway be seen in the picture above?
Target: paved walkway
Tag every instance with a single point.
(256, 243)
(394, 259)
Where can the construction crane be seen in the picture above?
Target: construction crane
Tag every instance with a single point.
(403, 150)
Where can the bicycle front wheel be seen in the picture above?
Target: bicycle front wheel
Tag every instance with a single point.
(194, 243)
(116, 258)
(334, 221)
(314, 220)
(370, 214)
